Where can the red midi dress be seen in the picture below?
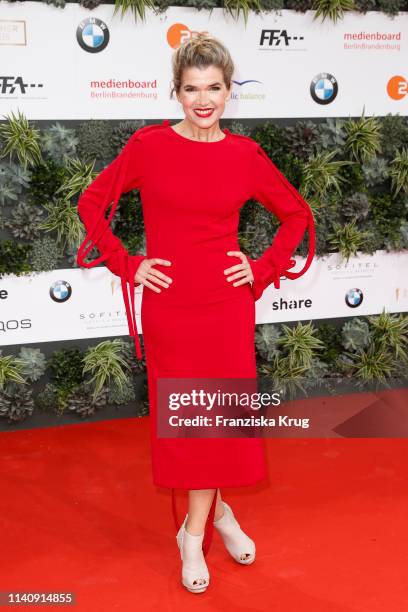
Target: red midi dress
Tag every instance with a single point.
(201, 325)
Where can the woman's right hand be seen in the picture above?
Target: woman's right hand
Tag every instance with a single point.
(146, 274)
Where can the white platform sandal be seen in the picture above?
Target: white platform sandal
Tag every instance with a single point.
(239, 545)
(194, 574)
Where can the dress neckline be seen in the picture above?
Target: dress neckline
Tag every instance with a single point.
(226, 131)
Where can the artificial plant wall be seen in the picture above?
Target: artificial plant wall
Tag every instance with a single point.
(353, 173)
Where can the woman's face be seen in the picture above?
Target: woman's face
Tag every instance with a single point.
(203, 89)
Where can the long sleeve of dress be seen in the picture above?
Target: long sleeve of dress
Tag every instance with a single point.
(124, 173)
(270, 187)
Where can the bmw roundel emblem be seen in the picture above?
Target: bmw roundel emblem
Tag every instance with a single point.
(324, 88)
(60, 291)
(354, 297)
(92, 35)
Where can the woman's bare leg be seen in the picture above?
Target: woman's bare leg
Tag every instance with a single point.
(219, 508)
(199, 504)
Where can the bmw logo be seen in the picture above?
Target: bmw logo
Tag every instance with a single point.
(354, 297)
(324, 88)
(60, 291)
(92, 35)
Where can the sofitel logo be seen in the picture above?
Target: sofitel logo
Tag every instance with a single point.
(352, 268)
(358, 266)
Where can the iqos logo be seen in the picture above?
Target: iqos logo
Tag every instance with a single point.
(13, 324)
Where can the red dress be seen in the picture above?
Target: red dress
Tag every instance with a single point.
(201, 325)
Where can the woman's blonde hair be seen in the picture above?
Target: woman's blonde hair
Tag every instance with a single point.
(198, 52)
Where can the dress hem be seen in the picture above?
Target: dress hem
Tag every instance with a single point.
(216, 485)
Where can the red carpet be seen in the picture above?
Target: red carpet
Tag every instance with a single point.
(80, 514)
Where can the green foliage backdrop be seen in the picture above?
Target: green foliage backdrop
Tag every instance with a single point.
(353, 172)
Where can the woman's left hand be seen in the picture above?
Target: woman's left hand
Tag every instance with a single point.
(242, 270)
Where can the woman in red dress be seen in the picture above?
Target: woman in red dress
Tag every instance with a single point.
(198, 304)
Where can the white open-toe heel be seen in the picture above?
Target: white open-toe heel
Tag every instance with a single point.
(239, 545)
(194, 573)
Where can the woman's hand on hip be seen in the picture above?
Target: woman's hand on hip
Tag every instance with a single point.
(243, 270)
(147, 275)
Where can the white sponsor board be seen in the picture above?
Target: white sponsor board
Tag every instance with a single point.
(334, 287)
(62, 305)
(75, 63)
(78, 303)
